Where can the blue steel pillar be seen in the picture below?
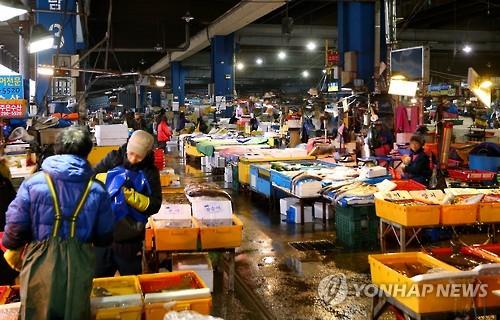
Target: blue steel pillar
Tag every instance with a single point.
(222, 64)
(156, 97)
(356, 32)
(178, 79)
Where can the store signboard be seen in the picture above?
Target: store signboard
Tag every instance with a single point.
(11, 87)
(332, 58)
(12, 108)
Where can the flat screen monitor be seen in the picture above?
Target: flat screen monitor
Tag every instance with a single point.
(410, 63)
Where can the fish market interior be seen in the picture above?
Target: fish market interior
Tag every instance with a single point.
(249, 159)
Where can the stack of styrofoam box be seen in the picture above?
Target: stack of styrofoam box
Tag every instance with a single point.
(293, 214)
(308, 188)
(228, 174)
(318, 211)
(197, 262)
(111, 134)
(209, 208)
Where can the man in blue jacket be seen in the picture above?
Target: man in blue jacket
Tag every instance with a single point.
(60, 213)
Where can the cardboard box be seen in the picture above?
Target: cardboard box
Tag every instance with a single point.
(350, 61)
(48, 136)
(348, 76)
(111, 131)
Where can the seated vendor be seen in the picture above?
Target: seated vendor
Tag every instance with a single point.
(417, 165)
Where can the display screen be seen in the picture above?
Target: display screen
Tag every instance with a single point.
(408, 63)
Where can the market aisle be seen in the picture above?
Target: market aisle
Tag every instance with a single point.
(283, 280)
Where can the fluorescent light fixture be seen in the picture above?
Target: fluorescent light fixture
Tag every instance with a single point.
(259, 61)
(282, 55)
(305, 74)
(486, 84)
(398, 76)
(240, 66)
(311, 46)
(108, 92)
(45, 70)
(10, 9)
(40, 39)
(113, 97)
(160, 82)
(119, 105)
(467, 49)
(403, 88)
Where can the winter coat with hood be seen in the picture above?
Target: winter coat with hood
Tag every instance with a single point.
(30, 216)
(119, 158)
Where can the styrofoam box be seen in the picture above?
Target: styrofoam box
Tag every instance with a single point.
(174, 211)
(294, 216)
(308, 189)
(110, 142)
(111, 131)
(285, 204)
(197, 262)
(212, 209)
(204, 161)
(318, 211)
(228, 174)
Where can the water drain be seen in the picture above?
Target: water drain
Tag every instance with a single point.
(316, 245)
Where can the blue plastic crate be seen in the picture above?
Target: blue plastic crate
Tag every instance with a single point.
(281, 179)
(263, 187)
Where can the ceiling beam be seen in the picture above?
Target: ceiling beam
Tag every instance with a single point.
(236, 18)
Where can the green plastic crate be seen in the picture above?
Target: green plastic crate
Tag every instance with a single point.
(236, 181)
(357, 227)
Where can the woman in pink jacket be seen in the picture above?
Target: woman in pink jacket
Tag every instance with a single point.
(164, 133)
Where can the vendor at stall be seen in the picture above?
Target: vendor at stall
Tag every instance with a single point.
(8, 275)
(417, 165)
(133, 183)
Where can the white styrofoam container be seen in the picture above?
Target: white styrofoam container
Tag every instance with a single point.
(212, 209)
(308, 188)
(204, 161)
(197, 262)
(318, 211)
(285, 204)
(169, 211)
(111, 131)
(110, 142)
(294, 216)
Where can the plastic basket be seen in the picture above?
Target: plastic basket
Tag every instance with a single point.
(4, 294)
(125, 303)
(154, 283)
(471, 175)
(408, 185)
(409, 216)
(455, 214)
(222, 236)
(489, 212)
(357, 227)
(176, 239)
(383, 274)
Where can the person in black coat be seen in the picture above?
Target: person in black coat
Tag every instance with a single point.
(126, 255)
(417, 165)
(7, 274)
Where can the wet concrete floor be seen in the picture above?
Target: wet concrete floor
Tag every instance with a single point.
(283, 279)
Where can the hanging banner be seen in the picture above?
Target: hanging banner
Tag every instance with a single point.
(332, 58)
(13, 108)
(11, 87)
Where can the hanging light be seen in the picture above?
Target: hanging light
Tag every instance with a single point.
(259, 61)
(324, 71)
(40, 39)
(10, 9)
(467, 49)
(282, 55)
(240, 66)
(160, 82)
(311, 46)
(305, 74)
(486, 84)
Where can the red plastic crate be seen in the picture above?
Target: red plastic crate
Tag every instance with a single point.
(471, 175)
(408, 185)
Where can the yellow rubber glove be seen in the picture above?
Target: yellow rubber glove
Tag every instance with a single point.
(136, 200)
(101, 177)
(14, 258)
